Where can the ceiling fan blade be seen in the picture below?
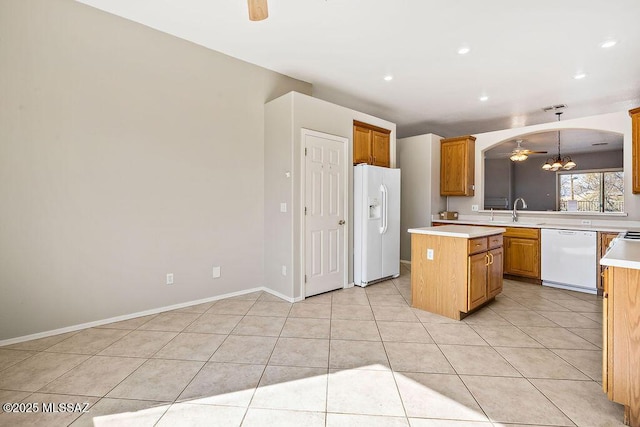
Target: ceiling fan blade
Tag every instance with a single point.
(258, 10)
(535, 152)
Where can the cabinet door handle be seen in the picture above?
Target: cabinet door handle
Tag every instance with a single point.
(487, 264)
(491, 255)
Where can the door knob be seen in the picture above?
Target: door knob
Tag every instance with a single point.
(341, 222)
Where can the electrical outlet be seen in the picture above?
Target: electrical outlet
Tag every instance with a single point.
(284, 270)
(215, 272)
(585, 222)
(169, 278)
(474, 208)
(430, 254)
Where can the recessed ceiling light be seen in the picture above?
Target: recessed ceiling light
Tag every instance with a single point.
(609, 43)
(580, 76)
(464, 50)
(388, 78)
(484, 98)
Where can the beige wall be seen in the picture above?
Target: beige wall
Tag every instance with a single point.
(125, 154)
(286, 117)
(419, 160)
(618, 122)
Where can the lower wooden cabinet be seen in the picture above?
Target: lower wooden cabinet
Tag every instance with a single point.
(521, 256)
(494, 287)
(478, 280)
(621, 340)
(485, 277)
(604, 238)
(522, 252)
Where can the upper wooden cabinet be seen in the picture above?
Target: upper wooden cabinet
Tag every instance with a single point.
(457, 166)
(635, 149)
(371, 145)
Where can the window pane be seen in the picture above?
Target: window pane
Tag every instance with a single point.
(581, 192)
(614, 191)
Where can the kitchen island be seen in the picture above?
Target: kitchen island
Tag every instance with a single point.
(621, 327)
(455, 269)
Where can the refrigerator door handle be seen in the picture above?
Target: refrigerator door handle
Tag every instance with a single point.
(385, 207)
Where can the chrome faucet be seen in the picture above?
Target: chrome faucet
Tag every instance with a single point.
(514, 213)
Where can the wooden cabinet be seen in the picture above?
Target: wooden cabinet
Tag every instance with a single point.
(485, 270)
(494, 276)
(621, 340)
(461, 275)
(371, 144)
(521, 255)
(635, 149)
(477, 294)
(457, 166)
(522, 252)
(604, 239)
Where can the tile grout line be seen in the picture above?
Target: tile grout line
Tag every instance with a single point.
(244, 416)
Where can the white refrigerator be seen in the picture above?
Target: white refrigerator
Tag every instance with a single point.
(376, 200)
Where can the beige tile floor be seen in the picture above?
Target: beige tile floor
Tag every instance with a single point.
(354, 357)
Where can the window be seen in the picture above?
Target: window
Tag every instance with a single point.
(591, 191)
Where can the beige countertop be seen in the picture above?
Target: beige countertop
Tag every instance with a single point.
(463, 231)
(535, 224)
(623, 253)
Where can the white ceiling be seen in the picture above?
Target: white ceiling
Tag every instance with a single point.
(523, 54)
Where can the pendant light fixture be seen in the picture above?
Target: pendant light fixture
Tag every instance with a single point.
(559, 162)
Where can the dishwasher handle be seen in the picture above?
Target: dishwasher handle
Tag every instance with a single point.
(567, 233)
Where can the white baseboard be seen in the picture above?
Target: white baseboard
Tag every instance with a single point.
(404, 261)
(349, 285)
(282, 296)
(95, 323)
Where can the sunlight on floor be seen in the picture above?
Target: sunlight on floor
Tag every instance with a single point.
(352, 391)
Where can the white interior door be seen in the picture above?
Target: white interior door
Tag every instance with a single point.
(325, 212)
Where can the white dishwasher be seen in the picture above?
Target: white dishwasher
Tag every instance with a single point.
(569, 260)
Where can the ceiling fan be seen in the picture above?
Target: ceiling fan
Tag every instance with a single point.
(258, 10)
(520, 154)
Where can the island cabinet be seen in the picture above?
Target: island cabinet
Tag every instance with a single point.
(371, 145)
(457, 166)
(522, 252)
(455, 269)
(621, 340)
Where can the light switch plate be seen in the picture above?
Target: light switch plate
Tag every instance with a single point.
(430, 254)
(283, 207)
(215, 272)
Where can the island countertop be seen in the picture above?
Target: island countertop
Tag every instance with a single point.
(463, 231)
(623, 254)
